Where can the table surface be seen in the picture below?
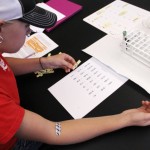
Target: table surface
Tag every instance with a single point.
(72, 36)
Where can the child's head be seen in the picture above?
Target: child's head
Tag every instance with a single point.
(15, 18)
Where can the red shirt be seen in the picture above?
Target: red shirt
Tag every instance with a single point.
(11, 113)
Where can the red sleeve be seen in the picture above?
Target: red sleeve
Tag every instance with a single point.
(11, 115)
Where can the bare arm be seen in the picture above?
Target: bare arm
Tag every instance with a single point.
(35, 127)
(23, 66)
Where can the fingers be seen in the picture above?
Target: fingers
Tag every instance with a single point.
(68, 62)
(69, 59)
(146, 105)
(67, 70)
(62, 60)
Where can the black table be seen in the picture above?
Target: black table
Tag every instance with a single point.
(72, 36)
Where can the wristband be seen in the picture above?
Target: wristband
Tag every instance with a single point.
(41, 63)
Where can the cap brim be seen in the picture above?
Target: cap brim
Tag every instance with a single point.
(40, 17)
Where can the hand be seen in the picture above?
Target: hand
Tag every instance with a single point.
(139, 116)
(62, 60)
(146, 105)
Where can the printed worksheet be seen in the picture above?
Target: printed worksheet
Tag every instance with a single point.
(86, 87)
(35, 46)
(117, 17)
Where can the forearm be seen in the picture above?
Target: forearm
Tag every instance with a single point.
(23, 66)
(73, 131)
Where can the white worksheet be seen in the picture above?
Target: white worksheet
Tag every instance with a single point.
(35, 46)
(117, 17)
(86, 87)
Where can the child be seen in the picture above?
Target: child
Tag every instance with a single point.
(19, 123)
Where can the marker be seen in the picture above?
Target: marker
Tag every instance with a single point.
(125, 38)
(124, 35)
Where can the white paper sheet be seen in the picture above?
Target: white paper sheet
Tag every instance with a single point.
(86, 87)
(35, 46)
(117, 17)
(108, 51)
